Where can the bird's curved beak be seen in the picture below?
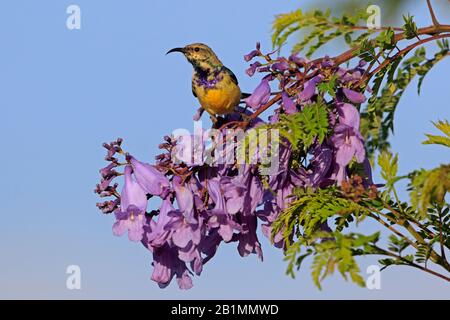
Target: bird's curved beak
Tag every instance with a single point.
(176, 50)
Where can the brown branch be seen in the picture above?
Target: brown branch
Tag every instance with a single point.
(365, 27)
(410, 263)
(398, 233)
(433, 16)
(405, 224)
(349, 54)
(403, 52)
(353, 52)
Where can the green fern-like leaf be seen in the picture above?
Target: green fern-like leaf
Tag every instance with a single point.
(444, 127)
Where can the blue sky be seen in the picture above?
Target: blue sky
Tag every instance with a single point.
(63, 93)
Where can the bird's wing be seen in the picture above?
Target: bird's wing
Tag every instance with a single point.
(193, 89)
(233, 77)
(235, 80)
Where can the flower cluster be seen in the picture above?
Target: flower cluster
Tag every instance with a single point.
(203, 205)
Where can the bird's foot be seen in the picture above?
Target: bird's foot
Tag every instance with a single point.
(245, 117)
(217, 121)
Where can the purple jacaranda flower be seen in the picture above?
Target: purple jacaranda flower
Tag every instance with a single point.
(108, 206)
(332, 119)
(219, 216)
(254, 194)
(349, 115)
(320, 165)
(131, 216)
(224, 223)
(162, 263)
(244, 192)
(184, 197)
(150, 179)
(112, 148)
(233, 193)
(191, 254)
(253, 53)
(347, 139)
(279, 180)
(108, 172)
(263, 69)
(309, 88)
(340, 73)
(260, 96)
(327, 62)
(184, 233)
(104, 188)
(274, 118)
(281, 65)
(190, 148)
(216, 195)
(357, 75)
(354, 96)
(167, 265)
(348, 144)
(299, 61)
(252, 69)
(185, 281)
(197, 261)
(268, 215)
(288, 104)
(209, 244)
(157, 235)
(248, 240)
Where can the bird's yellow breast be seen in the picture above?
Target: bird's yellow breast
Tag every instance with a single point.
(221, 99)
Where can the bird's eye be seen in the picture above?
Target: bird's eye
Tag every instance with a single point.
(197, 49)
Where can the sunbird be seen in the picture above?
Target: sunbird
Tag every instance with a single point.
(214, 85)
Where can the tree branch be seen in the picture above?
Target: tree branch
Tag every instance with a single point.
(410, 263)
(433, 16)
(353, 52)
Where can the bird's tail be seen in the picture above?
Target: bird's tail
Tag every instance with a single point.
(245, 95)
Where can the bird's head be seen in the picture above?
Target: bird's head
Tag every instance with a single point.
(200, 56)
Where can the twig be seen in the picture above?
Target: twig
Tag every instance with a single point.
(398, 233)
(433, 16)
(351, 53)
(410, 263)
(405, 51)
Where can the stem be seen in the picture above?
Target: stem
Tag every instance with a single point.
(398, 200)
(417, 223)
(405, 224)
(351, 53)
(403, 52)
(365, 27)
(410, 263)
(398, 233)
(433, 16)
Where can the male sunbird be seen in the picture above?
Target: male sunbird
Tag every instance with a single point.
(214, 85)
